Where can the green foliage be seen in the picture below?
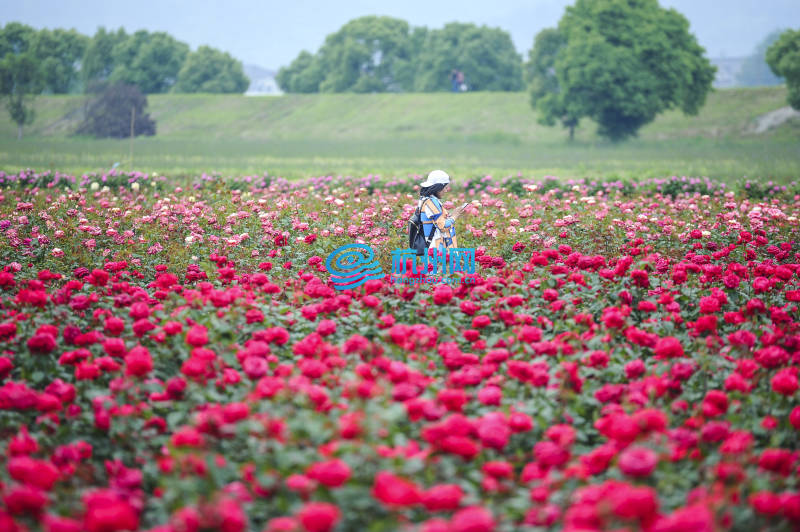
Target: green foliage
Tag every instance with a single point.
(755, 71)
(108, 113)
(368, 54)
(623, 63)
(16, 38)
(486, 56)
(98, 60)
(20, 74)
(69, 62)
(543, 82)
(59, 52)
(210, 70)
(783, 57)
(383, 54)
(303, 75)
(149, 61)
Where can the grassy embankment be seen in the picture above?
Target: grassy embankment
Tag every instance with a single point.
(398, 134)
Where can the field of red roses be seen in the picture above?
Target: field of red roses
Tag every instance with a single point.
(173, 357)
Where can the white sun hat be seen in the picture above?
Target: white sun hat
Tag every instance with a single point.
(436, 177)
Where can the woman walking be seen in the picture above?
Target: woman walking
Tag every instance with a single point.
(437, 224)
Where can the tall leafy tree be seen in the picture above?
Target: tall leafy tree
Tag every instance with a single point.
(98, 60)
(20, 73)
(486, 56)
(110, 109)
(59, 53)
(540, 74)
(303, 75)
(151, 61)
(755, 71)
(623, 63)
(783, 58)
(368, 54)
(211, 70)
(16, 38)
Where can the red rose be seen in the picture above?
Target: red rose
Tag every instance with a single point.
(319, 516)
(394, 491)
(550, 454)
(668, 347)
(333, 473)
(638, 461)
(41, 343)
(479, 322)
(138, 362)
(55, 523)
(107, 512)
(197, 336)
(472, 519)
(442, 295)
(139, 311)
(23, 499)
(38, 473)
(785, 382)
(442, 497)
(766, 503)
(634, 503)
(794, 417)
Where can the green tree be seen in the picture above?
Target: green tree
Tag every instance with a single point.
(368, 54)
(755, 71)
(59, 53)
(110, 109)
(783, 57)
(623, 63)
(211, 70)
(486, 56)
(540, 74)
(98, 60)
(16, 38)
(303, 75)
(20, 75)
(151, 61)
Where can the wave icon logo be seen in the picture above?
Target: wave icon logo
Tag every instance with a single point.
(352, 265)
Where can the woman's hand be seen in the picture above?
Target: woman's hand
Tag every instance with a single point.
(458, 211)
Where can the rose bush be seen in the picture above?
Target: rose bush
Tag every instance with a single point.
(174, 357)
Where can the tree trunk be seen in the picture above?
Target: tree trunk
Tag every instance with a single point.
(19, 131)
(571, 133)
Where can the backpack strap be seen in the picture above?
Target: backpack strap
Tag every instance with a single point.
(433, 232)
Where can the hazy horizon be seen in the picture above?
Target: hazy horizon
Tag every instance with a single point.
(259, 34)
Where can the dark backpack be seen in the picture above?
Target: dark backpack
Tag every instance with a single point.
(416, 234)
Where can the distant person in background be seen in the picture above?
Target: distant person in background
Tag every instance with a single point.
(462, 86)
(454, 80)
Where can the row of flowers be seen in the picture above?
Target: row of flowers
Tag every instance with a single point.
(518, 184)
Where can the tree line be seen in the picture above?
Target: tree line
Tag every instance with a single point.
(385, 54)
(62, 61)
(65, 61)
(617, 62)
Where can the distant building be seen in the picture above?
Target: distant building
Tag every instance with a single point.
(262, 81)
(727, 71)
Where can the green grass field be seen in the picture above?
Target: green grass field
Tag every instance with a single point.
(398, 134)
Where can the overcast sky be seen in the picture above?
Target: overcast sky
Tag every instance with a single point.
(271, 34)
